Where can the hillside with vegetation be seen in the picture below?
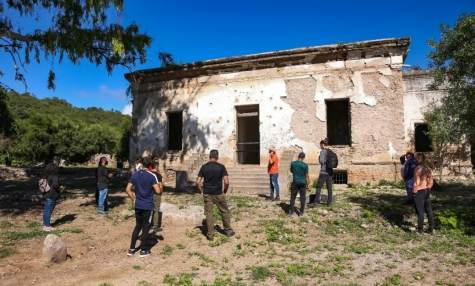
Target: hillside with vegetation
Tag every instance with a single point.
(37, 130)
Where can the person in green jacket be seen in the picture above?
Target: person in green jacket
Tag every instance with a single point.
(299, 170)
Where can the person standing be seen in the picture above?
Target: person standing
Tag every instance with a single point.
(423, 182)
(50, 194)
(409, 168)
(102, 179)
(210, 181)
(157, 214)
(325, 176)
(299, 170)
(140, 189)
(273, 170)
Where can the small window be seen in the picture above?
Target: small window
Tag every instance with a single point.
(340, 177)
(422, 139)
(175, 131)
(338, 122)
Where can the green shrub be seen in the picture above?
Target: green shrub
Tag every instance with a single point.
(182, 279)
(448, 219)
(260, 273)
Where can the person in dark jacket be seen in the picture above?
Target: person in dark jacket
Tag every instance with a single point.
(409, 168)
(102, 179)
(50, 197)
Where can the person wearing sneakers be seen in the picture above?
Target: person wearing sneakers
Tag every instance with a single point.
(325, 176)
(140, 189)
(210, 183)
(299, 170)
(51, 196)
(273, 170)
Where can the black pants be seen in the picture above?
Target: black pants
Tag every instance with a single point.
(298, 188)
(143, 220)
(322, 179)
(423, 205)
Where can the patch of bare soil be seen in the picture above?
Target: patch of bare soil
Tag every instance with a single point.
(366, 238)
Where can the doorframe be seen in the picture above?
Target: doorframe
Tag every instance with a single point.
(236, 108)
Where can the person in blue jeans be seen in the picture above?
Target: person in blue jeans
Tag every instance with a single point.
(50, 197)
(102, 180)
(409, 168)
(273, 170)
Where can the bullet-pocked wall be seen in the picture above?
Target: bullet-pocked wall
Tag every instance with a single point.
(293, 105)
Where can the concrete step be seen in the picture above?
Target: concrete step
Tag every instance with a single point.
(246, 190)
(250, 184)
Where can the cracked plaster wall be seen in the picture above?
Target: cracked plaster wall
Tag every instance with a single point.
(292, 109)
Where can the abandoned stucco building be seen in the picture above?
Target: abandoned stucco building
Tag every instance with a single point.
(355, 94)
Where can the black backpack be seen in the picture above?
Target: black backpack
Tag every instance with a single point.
(332, 159)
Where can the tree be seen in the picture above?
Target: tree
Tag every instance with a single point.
(453, 63)
(452, 121)
(78, 30)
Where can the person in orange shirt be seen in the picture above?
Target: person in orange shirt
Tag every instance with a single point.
(273, 170)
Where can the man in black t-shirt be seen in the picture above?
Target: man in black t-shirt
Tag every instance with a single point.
(210, 183)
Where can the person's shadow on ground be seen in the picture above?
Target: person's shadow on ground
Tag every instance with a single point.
(64, 219)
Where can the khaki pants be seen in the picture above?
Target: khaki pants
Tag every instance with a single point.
(157, 215)
(220, 202)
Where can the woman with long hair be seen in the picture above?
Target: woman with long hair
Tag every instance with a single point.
(51, 196)
(102, 179)
(423, 182)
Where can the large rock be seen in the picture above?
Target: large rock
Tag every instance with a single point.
(54, 249)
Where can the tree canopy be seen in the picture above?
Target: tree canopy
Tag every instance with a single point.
(77, 30)
(43, 129)
(453, 63)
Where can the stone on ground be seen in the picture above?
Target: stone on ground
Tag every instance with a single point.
(54, 249)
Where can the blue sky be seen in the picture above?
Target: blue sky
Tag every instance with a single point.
(199, 30)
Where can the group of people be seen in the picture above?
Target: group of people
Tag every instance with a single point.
(145, 188)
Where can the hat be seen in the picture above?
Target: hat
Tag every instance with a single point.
(272, 148)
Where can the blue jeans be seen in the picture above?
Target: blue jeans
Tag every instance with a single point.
(409, 188)
(102, 199)
(48, 210)
(274, 185)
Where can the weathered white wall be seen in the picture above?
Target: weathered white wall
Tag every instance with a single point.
(209, 104)
(418, 99)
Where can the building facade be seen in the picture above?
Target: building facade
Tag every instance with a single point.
(355, 94)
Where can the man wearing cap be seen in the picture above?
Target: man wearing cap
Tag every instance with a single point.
(299, 170)
(273, 170)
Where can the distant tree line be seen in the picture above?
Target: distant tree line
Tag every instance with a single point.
(35, 131)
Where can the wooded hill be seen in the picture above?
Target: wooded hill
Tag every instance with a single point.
(36, 130)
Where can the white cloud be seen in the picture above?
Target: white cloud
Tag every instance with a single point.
(104, 92)
(127, 110)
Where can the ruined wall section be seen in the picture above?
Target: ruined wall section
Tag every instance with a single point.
(418, 98)
(292, 110)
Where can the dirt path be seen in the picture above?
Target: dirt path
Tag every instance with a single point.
(353, 243)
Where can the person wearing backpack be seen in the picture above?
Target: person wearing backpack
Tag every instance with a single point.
(49, 186)
(328, 160)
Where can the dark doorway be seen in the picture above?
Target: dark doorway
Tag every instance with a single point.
(421, 138)
(248, 137)
(175, 131)
(338, 121)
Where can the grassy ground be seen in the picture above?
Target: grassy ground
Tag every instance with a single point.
(366, 238)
